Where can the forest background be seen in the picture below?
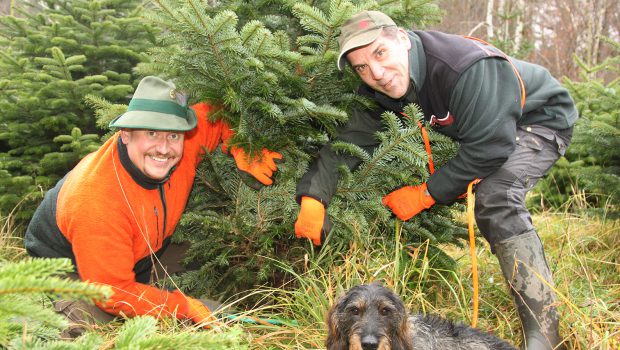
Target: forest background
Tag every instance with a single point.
(67, 67)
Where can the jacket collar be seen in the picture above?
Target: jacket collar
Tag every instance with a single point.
(135, 173)
(417, 61)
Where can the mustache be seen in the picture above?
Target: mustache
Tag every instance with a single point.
(169, 155)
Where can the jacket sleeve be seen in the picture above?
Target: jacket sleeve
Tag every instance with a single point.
(321, 179)
(209, 134)
(486, 103)
(104, 255)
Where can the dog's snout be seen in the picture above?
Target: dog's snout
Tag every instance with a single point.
(370, 342)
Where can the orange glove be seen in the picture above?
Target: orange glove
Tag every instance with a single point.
(310, 221)
(261, 168)
(199, 313)
(409, 201)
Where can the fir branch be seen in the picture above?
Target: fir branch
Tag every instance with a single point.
(15, 307)
(135, 330)
(35, 268)
(311, 18)
(34, 276)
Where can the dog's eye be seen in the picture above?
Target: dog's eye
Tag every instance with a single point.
(385, 311)
(354, 311)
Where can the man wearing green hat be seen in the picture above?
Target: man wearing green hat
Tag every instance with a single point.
(113, 215)
(512, 119)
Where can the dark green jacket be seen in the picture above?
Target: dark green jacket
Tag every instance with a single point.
(485, 109)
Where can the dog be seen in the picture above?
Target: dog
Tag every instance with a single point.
(372, 317)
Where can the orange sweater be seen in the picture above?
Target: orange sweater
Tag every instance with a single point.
(112, 222)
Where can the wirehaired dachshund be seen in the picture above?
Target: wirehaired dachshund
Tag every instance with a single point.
(372, 317)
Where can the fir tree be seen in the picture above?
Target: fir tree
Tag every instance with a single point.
(24, 288)
(276, 76)
(55, 52)
(592, 162)
(27, 320)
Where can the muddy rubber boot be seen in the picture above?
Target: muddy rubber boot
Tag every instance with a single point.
(523, 264)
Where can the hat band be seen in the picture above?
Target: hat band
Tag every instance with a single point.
(167, 107)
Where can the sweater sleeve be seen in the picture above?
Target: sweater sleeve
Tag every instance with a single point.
(208, 134)
(321, 179)
(486, 104)
(104, 255)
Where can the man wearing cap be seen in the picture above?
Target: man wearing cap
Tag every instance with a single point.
(512, 119)
(113, 215)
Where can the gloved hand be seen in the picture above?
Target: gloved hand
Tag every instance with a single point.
(261, 168)
(199, 313)
(311, 220)
(409, 201)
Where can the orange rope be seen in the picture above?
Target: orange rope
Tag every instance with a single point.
(472, 249)
(470, 196)
(427, 144)
(470, 221)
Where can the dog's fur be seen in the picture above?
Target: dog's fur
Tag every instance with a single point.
(372, 317)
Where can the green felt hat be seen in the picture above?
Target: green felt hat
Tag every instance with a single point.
(156, 105)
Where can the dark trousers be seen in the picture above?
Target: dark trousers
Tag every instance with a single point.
(83, 315)
(500, 198)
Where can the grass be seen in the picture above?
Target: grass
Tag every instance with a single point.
(11, 244)
(582, 252)
(581, 249)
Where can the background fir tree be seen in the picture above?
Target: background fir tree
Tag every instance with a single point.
(279, 84)
(55, 52)
(591, 167)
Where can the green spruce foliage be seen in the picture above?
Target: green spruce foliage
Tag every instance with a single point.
(272, 65)
(28, 322)
(25, 289)
(590, 171)
(54, 52)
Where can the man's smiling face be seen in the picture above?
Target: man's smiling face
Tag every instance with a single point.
(384, 64)
(153, 152)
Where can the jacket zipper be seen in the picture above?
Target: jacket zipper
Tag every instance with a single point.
(162, 196)
(157, 224)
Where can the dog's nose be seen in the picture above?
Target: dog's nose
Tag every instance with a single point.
(370, 342)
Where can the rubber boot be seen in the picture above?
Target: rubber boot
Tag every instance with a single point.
(524, 266)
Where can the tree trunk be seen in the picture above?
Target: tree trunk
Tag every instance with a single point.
(489, 20)
(519, 20)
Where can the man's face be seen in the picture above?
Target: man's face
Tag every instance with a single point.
(153, 152)
(384, 64)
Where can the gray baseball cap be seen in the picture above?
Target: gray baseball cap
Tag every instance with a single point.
(361, 30)
(157, 105)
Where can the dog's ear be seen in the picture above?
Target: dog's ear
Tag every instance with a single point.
(403, 338)
(336, 339)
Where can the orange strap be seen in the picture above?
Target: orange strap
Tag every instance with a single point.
(470, 198)
(521, 84)
(472, 249)
(470, 193)
(470, 221)
(427, 144)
